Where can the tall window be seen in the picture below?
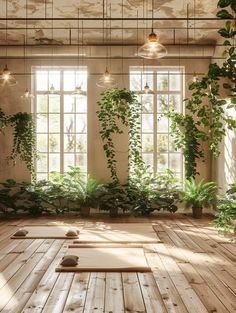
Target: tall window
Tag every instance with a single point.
(166, 85)
(61, 120)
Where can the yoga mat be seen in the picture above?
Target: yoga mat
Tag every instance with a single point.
(118, 232)
(107, 260)
(47, 232)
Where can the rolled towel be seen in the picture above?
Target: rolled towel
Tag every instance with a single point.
(72, 233)
(69, 260)
(21, 232)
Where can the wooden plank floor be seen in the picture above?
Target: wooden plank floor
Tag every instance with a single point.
(193, 271)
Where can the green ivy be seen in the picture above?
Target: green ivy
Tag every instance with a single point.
(206, 119)
(118, 108)
(24, 138)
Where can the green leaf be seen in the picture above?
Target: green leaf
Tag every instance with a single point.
(224, 3)
(224, 14)
(224, 33)
(233, 6)
(227, 43)
(227, 86)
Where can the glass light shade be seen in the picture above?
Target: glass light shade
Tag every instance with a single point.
(152, 49)
(147, 90)
(79, 92)
(7, 78)
(106, 81)
(27, 95)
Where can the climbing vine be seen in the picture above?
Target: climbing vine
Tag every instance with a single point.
(24, 140)
(207, 119)
(118, 108)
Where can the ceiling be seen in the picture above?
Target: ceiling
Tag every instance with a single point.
(57, 22)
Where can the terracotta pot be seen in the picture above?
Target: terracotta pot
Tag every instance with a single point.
(197, 212)
(113, 212)
(85, 211)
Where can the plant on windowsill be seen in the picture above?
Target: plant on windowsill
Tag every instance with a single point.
(226, 211)
(198, 195)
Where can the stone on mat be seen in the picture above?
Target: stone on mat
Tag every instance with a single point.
(69, 260)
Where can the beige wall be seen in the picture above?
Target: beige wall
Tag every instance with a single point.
(11, 103)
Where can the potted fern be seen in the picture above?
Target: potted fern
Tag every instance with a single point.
(199, 195)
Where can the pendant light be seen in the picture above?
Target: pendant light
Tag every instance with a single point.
(27, 94)
(152, 49)
(106, 81)
(52, 89)
(78, 88)
(6, 77)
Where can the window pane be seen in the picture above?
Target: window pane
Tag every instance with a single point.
(162, 81)
(54, 79)
(162, 103)
(81, 79)
(175, 82)
(175, 162)
(148, 159)
(54, 143)
(54, 103)
(162, 143)
(147, 78)
(69, 123)
(147, 143)
(174, 102)
(42, 123)
(69, 160)
(147, 102)
(81, 143)
(162, 124)
(81, 104)
(81, 123)
(162, 162)
(69, 80)
(42, 80)
(54, 123)
(147, 123)
(135, 80)
(81, 161)
(54, 162)
(69, 104)
(42, 162)
(69, 142)
(42, 104)
(42, 142)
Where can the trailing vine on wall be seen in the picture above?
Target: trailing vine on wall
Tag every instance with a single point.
(24, 137)
(207, 119)
(118, 108)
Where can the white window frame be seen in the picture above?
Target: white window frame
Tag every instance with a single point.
(153, 70)
(62, 114)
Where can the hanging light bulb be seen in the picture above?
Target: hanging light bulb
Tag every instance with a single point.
(27, 95)
(106, 81)
(152, 49)
(195, 78)
(52, 89)
(79, 92)
(7, 78)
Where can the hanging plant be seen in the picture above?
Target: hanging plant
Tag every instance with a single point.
(24, 140)
(117, 108)
(207, 119)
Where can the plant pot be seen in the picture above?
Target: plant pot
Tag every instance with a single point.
(114, 212)
(197, 212)
(85, 211)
